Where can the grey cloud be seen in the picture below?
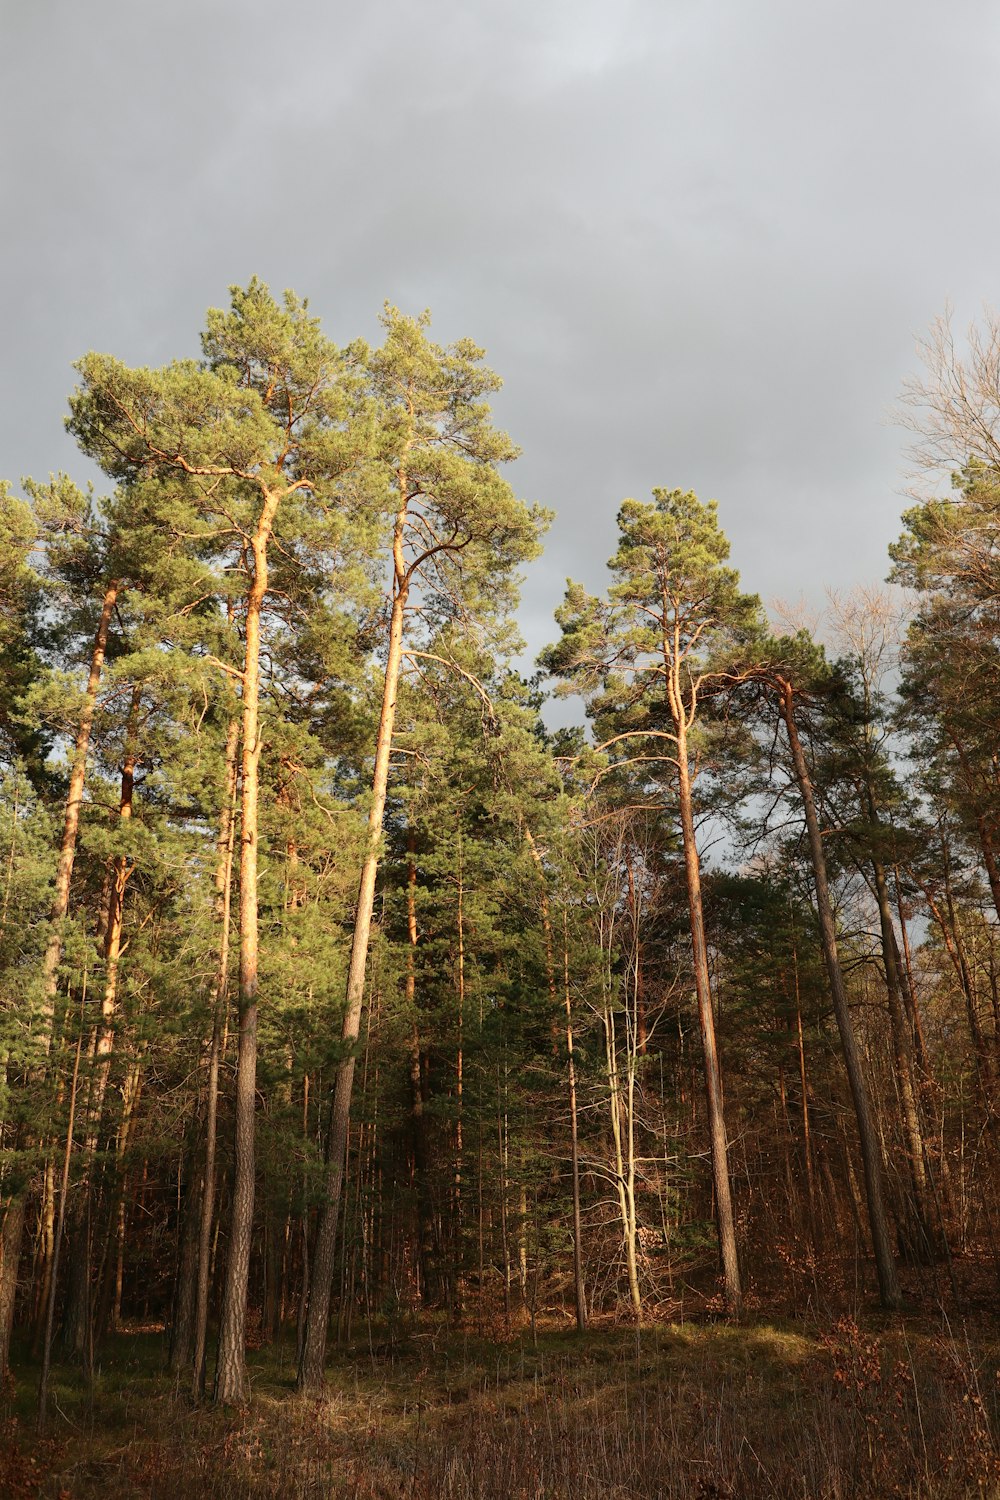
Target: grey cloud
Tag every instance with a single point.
(696, 238)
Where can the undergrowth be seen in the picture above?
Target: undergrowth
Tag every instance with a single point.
(850, 1410)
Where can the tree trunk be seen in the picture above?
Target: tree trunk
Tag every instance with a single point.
(578, 1286)
(958, 946)
(77, 1322)
(902, 1045)
(870, 1151)
(458, 1268)
(50, 1310)
(550, 974)
(418, 1122)
(54, 947)
(120, 871)
(71, 815)
(313, 1361)
(955, 948)
(220, 1011)
(231, 1384)
(111, 1279)
(806, 1126)
(624, 1178)
(733, 1291)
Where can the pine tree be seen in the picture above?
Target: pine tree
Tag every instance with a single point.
(258, 440)
(455, 534)
(676, 630)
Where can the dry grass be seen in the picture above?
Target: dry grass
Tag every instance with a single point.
(711, 1411)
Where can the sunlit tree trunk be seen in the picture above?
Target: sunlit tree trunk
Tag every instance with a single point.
(220, 1012)
(733, 1291)
(231, 1385)
(621, 1104)
(313, 1360)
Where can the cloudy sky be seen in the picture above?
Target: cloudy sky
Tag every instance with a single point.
(697, 237)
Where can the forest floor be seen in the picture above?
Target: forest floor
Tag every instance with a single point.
(865, 1406)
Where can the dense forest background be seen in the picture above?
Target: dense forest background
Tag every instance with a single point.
(338, 991)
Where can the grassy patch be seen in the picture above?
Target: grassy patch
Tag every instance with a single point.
(890, 1409)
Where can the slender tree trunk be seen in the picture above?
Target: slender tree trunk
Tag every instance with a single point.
(640, 1001)
(733, 1291)
(313, 1361)
(623, 1174)
(960, 964)
(418, 1122)
(504, 1181)
(109, 1303)
(43, 1384)
(71, 814)
(870, 1151)
(300, 1328)
(120, 871)
(459, 1260)
(984, 825)
(231, 1384)
(965, 970)
(806, 1124)
(77, 1327)
(955, 948)
(579, 1290)
(220, 1011)
(578, 1286)
(902, 1044)
(57, 917)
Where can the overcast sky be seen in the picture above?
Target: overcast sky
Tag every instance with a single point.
(697, 237)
